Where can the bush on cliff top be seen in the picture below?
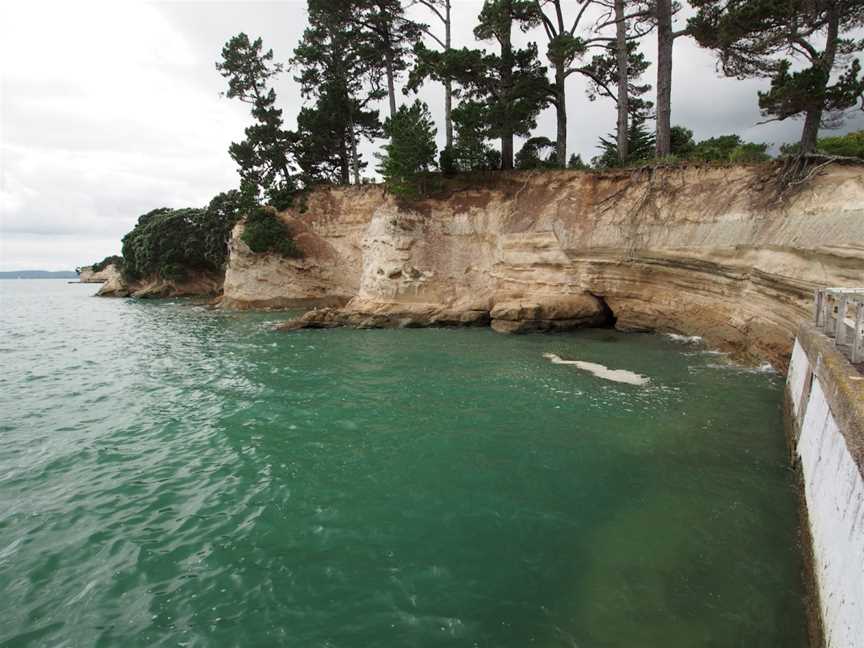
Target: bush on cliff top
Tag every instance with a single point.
(265, 232)
(114, 260)
(410, 153)
(171, 242)
(849, 145)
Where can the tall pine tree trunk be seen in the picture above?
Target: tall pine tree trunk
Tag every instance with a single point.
(560, 116)
(813, 117)
(391, 86)
(810, 133)
(623, 85)
(665, 39)
(344, 164)
(507, 93)
(448, 84)
(355, 161)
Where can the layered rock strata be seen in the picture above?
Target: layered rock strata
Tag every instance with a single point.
(698, 251)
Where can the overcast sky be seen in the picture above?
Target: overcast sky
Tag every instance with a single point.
(108, 110)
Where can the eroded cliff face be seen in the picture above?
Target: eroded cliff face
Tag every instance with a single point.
(194, 284)
(696, 251)
(87, 275)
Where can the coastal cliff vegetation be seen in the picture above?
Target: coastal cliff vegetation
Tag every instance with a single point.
(170, 243)
(352, 58)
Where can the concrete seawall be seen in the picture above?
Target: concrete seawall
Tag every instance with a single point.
(825, 399)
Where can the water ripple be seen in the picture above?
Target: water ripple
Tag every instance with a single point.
(171, 475)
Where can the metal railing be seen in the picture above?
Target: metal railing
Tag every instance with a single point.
(839, 313)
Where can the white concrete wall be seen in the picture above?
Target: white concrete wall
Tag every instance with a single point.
(834, 493)
(799, 368)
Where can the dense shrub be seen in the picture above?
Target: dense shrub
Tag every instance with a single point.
(114, 260)
(264, 232)
(681, 141)
(447, 161)
(411, 150)
(537, 153)
(716, 149)
(640, 141)
(849, 145)
(171, 242)
(749, 153)
(575, 162)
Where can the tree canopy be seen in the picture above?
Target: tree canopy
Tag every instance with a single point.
(762, 38)
(264, 157)
(411, 149)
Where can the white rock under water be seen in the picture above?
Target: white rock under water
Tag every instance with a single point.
(617, 375)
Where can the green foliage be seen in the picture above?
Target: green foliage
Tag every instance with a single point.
(575, 162)
(641, 143)
(327, 138)
(508, 90)
(602, 74)
(448, 161)
(388, 31)
(729, 148)
(724, 149)
(170, 242)
(749, 153)
(753, 38)
(471, 150)
(263, 157)
(411, 150)
(681, 141)
(116, 261)
(339, 63)
(715, 149)
(530, 156)
(849, 145)
(264, 232)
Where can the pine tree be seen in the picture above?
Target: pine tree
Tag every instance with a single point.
(340, 68)
(441, 9)
(264, 157)
(411, 150)
(604, 77)
(758, 38)
(566, 48)
(664, 14)
(575, 162)
(519, 89)
(641, 141)
(602, 74)
(391, 36)
(471, 149)
(537, 153)
(511, 86)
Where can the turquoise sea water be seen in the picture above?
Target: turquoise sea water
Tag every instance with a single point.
(175, 476)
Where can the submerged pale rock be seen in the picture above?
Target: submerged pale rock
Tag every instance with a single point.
(601, 371)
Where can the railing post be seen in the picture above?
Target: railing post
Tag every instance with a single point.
(858, 335)
(817, 307)
(840, 327)
(828, 313)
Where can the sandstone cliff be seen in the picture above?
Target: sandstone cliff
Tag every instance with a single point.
(697, 251)
(87, 275)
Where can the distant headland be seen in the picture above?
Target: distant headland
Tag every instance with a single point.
(38, 274)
